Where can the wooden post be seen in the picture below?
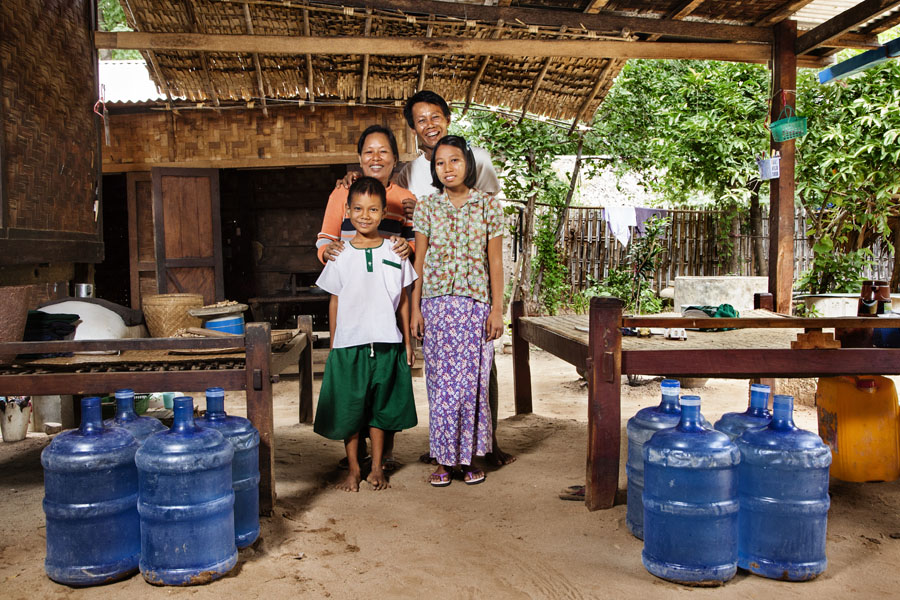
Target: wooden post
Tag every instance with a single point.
(305, 369)
(781, 192)
(258, 343)
(521, 366)
(604, 409)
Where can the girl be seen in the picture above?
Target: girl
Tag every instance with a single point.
(456, 307)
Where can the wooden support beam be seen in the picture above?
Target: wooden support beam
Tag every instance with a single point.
(260, 84)
(842, 23)
(402, 46)
(601, 79)
(604, 403)
(555, 18)
(364, 83)
(310, 94)
(423, 66)
(473, 87)
(781, 191)
(197, 26)
(535, 86)
(782, 12)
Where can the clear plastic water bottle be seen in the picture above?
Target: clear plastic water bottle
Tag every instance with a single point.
(783, 492)
(244, 469)
(186, 503)
(127, 418)
(90, 500)
(733, 424)
(690, 501)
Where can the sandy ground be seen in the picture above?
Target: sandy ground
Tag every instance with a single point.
(510, 537)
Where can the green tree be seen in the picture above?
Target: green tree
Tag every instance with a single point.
(112, 18)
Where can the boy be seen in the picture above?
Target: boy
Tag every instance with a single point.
(367, 379)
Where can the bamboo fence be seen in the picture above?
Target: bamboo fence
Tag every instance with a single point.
(695, 245)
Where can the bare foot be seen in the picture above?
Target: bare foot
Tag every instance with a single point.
(350, 483)
(377, 479)
(498, 457)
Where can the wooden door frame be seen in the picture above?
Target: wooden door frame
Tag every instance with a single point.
(162, 264)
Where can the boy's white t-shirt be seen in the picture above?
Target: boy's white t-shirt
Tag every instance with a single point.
(368, 283)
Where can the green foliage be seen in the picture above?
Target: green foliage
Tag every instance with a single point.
(686, 127)
(112, 18)
(847, 171)
(835, 272)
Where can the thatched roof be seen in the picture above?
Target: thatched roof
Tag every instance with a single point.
(204, 69)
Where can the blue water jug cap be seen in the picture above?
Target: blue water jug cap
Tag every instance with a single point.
(215, 402)
(183, 407)
(690, 401)
(670, 386)
(91, 421)
(761, 388)
(124, 393)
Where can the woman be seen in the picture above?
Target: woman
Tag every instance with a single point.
(378, 155)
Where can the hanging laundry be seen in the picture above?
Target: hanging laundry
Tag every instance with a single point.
(642, 215)
(619, 219)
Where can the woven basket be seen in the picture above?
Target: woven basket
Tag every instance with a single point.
(167, 313)
(14, 303)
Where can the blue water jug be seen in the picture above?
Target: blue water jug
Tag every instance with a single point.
(757, 415)
(126, 417)
(90, 500)
(783, 492)
(640, 428)
(245, 467)
(186, 503)
(690, 501)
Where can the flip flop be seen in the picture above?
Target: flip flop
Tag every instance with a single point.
(443, 479)
(473, 477)
(573, 492)
(390, 465)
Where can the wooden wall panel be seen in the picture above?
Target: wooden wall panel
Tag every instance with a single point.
(245, 138)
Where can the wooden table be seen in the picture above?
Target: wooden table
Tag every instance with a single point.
(145, 365)
(601, 352)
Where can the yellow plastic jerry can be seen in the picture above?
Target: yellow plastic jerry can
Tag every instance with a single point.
(859, 418)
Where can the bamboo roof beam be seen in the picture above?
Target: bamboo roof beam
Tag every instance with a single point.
(151, 59)
(191, 8)
(364, 83)
(424, 64)
(256, 63)
(842, 23)
(601, 79)
(473, 87)
(596, 6)
(405, 46)
(535, 86)
(310, 95)
(573, 20)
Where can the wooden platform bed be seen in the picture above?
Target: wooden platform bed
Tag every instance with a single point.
(594, 342)
(145, 365)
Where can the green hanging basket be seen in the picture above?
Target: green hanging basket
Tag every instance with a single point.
(789, 126)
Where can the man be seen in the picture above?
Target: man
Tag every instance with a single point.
(428, 115)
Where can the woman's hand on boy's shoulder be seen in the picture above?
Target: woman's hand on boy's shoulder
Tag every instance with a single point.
(400, 246)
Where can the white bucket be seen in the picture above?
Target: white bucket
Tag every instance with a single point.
(14, 421)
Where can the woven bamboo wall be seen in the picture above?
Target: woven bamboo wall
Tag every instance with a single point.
(290, 135)
(47, 79)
